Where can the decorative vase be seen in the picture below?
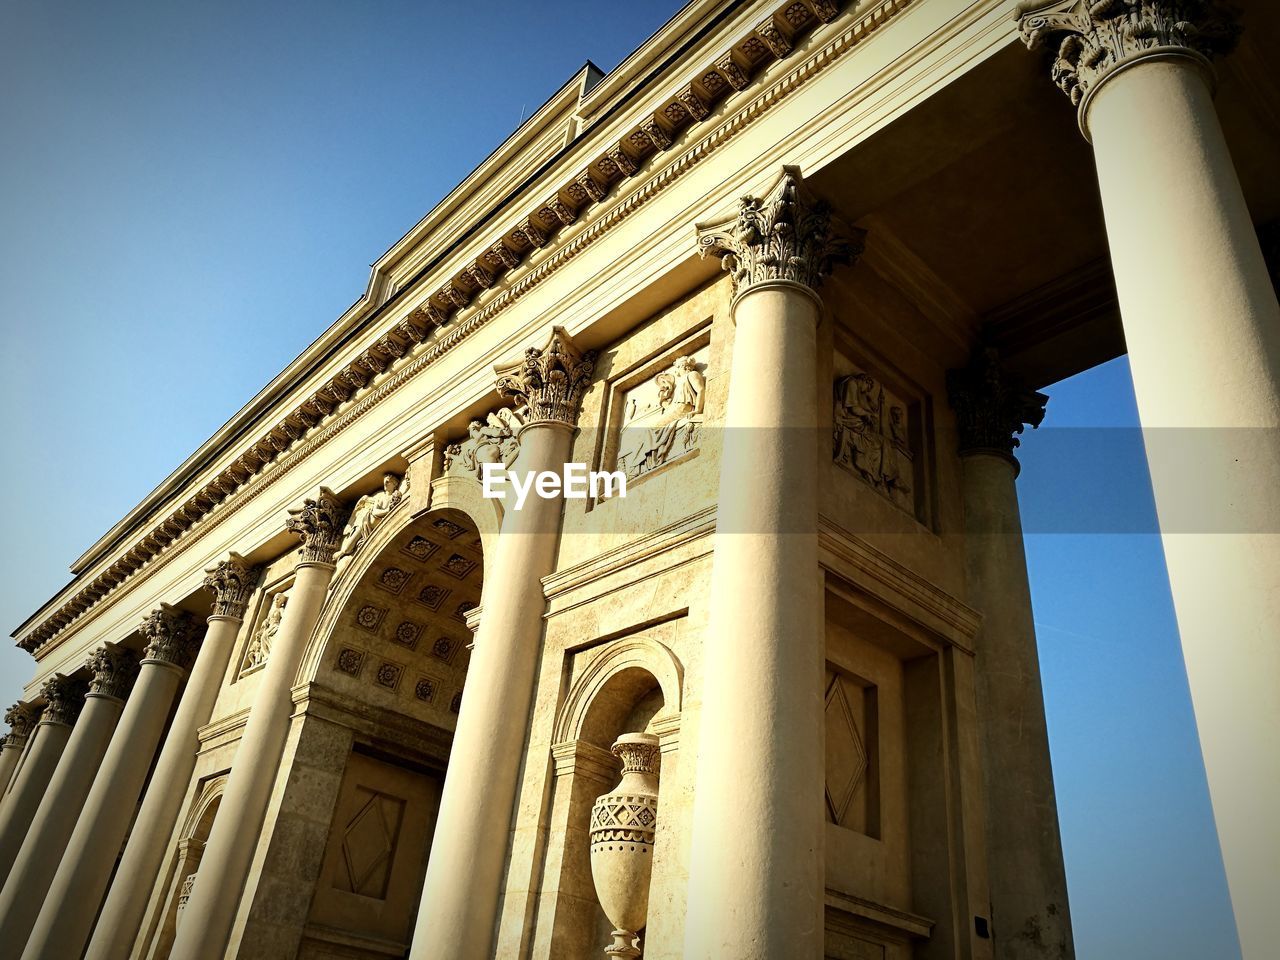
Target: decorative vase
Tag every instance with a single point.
(623, 822)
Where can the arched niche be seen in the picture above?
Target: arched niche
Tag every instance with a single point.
(613, 685)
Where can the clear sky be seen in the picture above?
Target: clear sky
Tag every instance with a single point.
(191, 192)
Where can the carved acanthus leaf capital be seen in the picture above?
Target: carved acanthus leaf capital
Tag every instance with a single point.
(63, 699)
(112, 671)
(21, 718)
(231, 581)
(551, 381)
(991, 407)
(1095, 37)
(172, 636)
(787, 235)
(319, 522)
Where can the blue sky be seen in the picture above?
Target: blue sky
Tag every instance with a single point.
(192, 192)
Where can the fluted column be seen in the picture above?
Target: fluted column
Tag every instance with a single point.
(756, 884)
(67, 914)
(215, 896)
(460, 897)
(231, 582)
(112, 672)
(63, 701)
(1030, 916)
(21, 718)
(1203, 331)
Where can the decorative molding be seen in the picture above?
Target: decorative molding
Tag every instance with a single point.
(231, 581)
(1099, 37)
(21, 718)
(319, 522)
(113, 670)
(550, 380)
(63, 699)
(991, 407)
(171, 635)
(787, 235)
(198, 514)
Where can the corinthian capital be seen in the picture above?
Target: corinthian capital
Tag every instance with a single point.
(1096, 37)
(787, 235)
(63, 699)
(991, 408)
(551, 380)
(231, 581)
(112, 671)
(21, 718)
(171, 636)
(319, 522)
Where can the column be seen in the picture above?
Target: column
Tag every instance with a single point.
(21, 718)
(66, 917)
(231, 582)
(1030, 917)
(215, 896)
(1203, 331)
(63, 701)
(112, 672)
(756, 884)
(459, 905)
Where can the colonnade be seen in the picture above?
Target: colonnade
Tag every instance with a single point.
(1203, 329)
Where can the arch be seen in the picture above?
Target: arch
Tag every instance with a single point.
(639, 653)
(200, 818)
(465, 495)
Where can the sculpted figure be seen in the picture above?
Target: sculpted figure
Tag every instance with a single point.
(877, 447)
(367, 514)
(492, 440)
(260, 646)
(666, 428)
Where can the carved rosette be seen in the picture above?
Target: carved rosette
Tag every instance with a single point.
(319, 522)
(991, 407)
(624, 822)
(171, 636)
(112, 671)
(63, 699)
(1095, 37)
(788, 235)
(21, 718)
(231, 581)
(550, 381)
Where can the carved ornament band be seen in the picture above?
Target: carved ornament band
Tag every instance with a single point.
(991, 407)
(319, 522)
(787, 235)
(231, 581)
(1096, 37)
(21, 718)
(63, 699)
(112, 671)
(172, 636)
(550, 380)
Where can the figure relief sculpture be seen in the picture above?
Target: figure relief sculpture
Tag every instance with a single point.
(369, 511)
(873, 441)
(492, 440)
(259, 648)
(668, 426)
(623, 824)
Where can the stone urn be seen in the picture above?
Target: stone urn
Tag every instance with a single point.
(623, 822)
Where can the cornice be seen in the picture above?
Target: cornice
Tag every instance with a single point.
(410, 344)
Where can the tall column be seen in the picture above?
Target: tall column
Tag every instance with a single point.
(459, 905)
(21, 718)
(1203, 330)
(1030, 917)
(112, 670)
(63, 701)
(66, 917)
(756, 884)
(231, 581)
(215, 895)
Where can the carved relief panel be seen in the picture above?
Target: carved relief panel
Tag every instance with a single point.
(266, 624)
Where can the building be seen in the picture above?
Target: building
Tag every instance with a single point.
(796, 271)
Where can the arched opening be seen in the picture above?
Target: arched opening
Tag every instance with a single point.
(385, 679)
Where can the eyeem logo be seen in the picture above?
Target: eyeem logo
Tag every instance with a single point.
(576, 483)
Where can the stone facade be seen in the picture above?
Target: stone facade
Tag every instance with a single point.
(805, 629)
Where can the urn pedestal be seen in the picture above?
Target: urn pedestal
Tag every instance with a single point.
(623, 822)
